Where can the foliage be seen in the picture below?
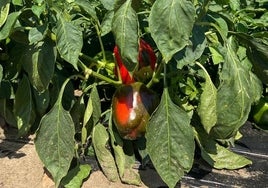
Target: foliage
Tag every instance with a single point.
(57, 80)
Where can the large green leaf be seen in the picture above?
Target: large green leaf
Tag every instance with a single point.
(170, 141)
(125, 160)
(125, 29)
(257, 53)
(23, 106)
(75, 177)
(208, 103)
(54, 141)
(9, 24)
(100, 138)
(39, 62)
(4, 10)
(216, 155)
(69, 40)
(171, 23)
(235, 94)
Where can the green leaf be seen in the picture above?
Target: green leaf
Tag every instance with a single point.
(171, 33)
(39, 9)
(170, 141)
(100, 138)
(125, 30)
(54, 141)
(23, 106)
(75, 177)
(108, 4)
(106, 24)
(41, 101)
(193, 50)
(9, 24)
(207, 104)
(235, 95)
(125, 160)
(216, 155)
(37, 34)
(257, 53)
(4, 10)
(216, 56)
(69, 41)
(86, 118)
(39, 62)
(96, 103)
(87, 6)
(17, 2)
(77, 113)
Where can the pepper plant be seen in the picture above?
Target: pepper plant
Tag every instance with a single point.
(207, 60)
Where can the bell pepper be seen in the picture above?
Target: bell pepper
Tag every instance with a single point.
(147, 63)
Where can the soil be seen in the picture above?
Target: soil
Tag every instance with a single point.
(20, 167)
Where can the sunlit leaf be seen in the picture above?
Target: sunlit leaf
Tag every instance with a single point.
(170, 141)
(75, 177)
(125, 160)
(39, 62)
(4, 10)
(235, 95)
(106, 24)
(69, 41)
(37, 34)
(8, 26)
(87, 6)
(216, 155)
(125, 29)
(100, 138)
(55, 140)
(207, 105)
(172, 32)
(96, 103)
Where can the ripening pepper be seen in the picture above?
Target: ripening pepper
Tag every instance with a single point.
(132, 106)
(147, 63)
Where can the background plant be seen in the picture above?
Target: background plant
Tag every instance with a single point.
(57, 80)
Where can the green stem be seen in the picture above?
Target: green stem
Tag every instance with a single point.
(156, 75)
(89, 72)
(88, 58)
(97, 26)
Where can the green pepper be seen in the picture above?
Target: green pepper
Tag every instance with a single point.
(260, 112)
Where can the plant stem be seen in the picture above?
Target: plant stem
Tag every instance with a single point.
(157, 73)
(89, 72)
(97, 26)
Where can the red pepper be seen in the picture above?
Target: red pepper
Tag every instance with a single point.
(125, 76)
(146, 58)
